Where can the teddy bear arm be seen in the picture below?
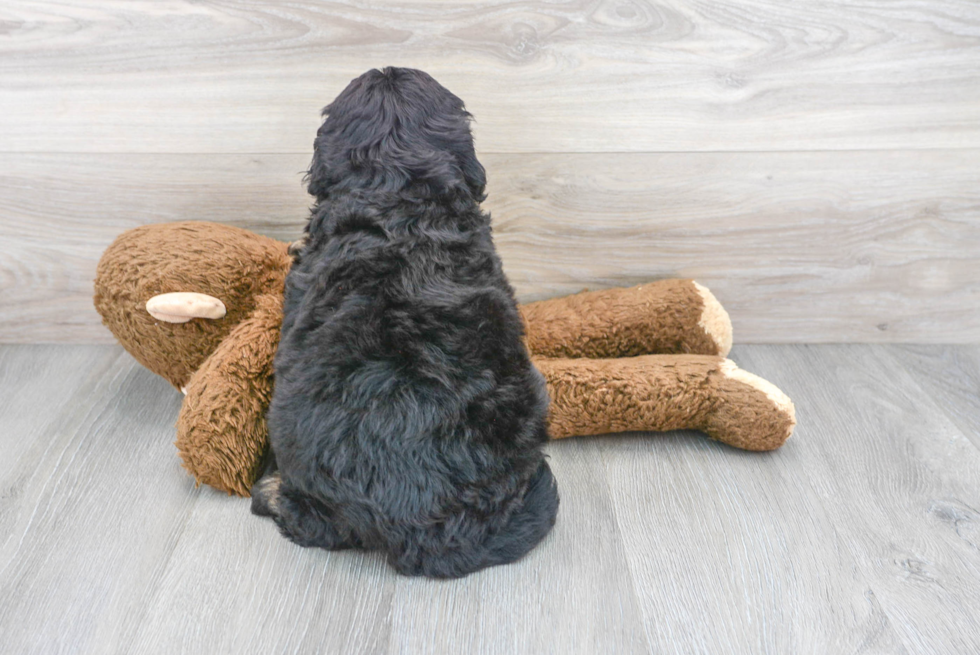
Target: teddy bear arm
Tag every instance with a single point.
(221, 431)
(225, 267)
(665, 317)
(666, 392)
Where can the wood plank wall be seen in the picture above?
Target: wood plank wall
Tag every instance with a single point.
(816, 164)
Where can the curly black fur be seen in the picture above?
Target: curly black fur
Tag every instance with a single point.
(407, 416)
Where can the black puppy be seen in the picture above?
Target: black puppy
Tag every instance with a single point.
(407, 416)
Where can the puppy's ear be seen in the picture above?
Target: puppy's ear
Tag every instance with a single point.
(337, 134)
(476, 177)
(317, 178)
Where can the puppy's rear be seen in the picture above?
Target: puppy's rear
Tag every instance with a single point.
(407, 415)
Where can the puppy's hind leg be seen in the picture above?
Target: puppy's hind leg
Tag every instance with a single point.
(306, 521)
(524, 529)
(301, 519)
(529, 525)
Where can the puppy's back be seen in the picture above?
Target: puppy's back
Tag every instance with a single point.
(406, 402)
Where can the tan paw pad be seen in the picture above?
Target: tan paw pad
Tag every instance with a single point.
(182, 306)
(715, 321)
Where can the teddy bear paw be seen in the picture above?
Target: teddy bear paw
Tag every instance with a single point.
(749, 412)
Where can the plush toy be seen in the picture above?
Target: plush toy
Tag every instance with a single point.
(201, 304)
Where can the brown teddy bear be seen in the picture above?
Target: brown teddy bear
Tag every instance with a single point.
(201, 304)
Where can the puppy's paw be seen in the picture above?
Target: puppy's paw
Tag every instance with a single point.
(296, 247)
(265, 495)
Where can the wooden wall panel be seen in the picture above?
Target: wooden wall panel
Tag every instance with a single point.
(800, 247)
(576, 76)
(814, 163)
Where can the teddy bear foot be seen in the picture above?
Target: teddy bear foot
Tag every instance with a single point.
(714, 320)
(748, 412)
(664, 317)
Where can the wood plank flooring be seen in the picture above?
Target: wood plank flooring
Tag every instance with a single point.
(862, 534)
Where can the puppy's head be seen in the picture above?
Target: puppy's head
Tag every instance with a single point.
(395, 128)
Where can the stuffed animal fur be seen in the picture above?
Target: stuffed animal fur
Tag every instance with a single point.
(201, 305)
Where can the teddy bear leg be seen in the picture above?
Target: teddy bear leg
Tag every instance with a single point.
(666, 392)
(222, 435)
(667, 317)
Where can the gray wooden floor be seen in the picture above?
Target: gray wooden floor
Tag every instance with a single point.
(862, 534)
